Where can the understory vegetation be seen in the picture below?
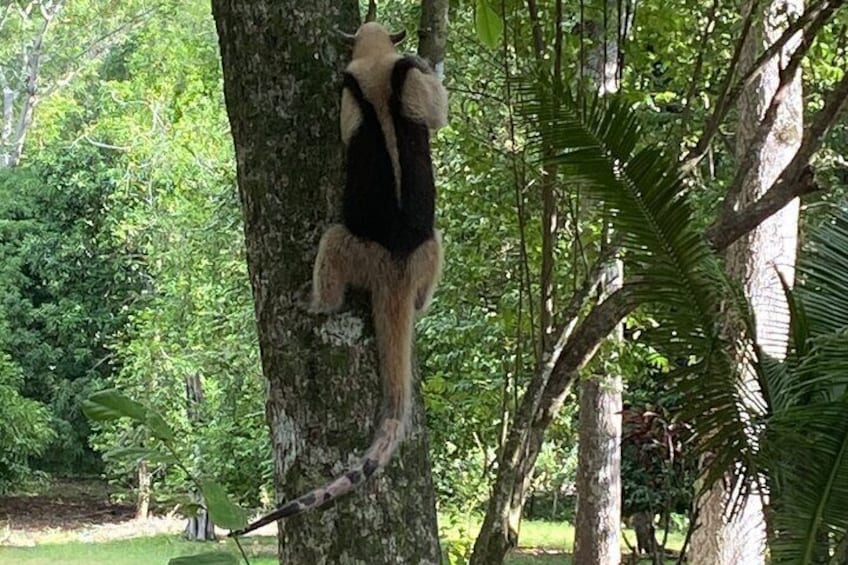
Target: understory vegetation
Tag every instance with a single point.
(128, 338)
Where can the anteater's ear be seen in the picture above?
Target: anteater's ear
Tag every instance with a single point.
(397, 37)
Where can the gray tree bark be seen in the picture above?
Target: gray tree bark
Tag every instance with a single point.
(142, 504)
(199, 527)
(433, 33)
(754, 259)
(597, 529)
(282, 63)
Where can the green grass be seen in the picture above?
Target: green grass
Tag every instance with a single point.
(153, 550)
(554, 537)
(543, 536)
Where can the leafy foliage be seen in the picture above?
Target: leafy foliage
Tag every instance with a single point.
(805, 446)
(657, 471)
(670, 268)
(63, 290)
(26, 430)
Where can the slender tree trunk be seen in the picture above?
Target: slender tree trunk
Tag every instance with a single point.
(199, 527)
(539, 406)
(753, 260)
(597, 531)
(142, 505)
(433, 33)
(282, 63)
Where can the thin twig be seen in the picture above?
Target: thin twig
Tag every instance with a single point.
(710, 129)
(241, 550)
(699, 60)
(517, 178)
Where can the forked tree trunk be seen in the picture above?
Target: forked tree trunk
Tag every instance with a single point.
(754, 260)
(282, 63)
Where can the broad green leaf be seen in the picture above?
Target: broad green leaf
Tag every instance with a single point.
(211, 558)
(489, 25)
(138, 454)
(159, 427)
(112, 405)
(222, 510)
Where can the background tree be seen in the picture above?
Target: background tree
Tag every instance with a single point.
(545, 395)
(768, 133)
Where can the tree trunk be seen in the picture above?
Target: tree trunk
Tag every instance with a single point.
(597, 529)
(142, 505)
(646, 539)
(282, 63)
(539, 406)
(753, 259)
(199, 526)
(433, 33)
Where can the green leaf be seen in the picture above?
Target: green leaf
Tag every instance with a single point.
(136, 454)
(159, 427)
(223, 511)
(489, 25)
(112, 405)
(210, 558)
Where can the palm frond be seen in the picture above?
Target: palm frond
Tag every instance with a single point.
(823, 276)
(597, 144)
(805, 446)
(812, 480)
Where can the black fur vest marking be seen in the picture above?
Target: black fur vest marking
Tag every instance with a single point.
(370, 206)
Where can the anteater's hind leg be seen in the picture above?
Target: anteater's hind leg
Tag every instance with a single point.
(425, 270)
(344, 259)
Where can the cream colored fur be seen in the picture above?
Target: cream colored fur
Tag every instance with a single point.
(424, 97)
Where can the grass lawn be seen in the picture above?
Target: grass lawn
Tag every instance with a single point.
(153, 550)
(540, 536)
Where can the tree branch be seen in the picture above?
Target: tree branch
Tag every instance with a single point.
(730, 91)
(796, 179)
(717, 116)
(535, 24)
(699, 60)
(786, 76)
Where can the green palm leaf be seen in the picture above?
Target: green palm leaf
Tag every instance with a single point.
(823, 276)
(805, 448)
(667, 261)
(812, 480)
